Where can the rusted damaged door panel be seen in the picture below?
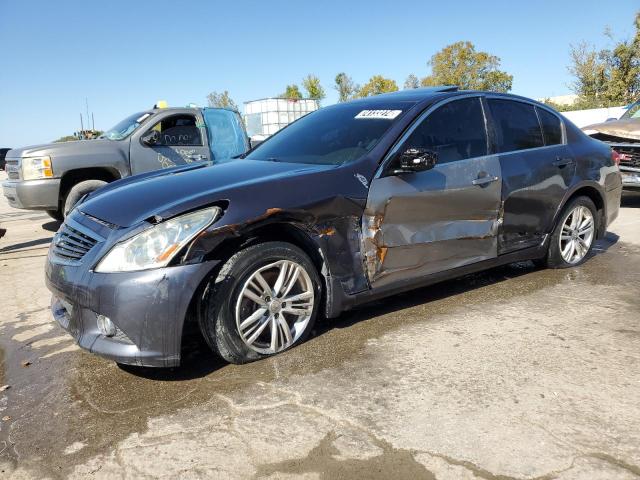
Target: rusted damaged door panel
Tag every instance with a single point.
(416, 224)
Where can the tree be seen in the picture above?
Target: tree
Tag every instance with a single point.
(221, 100)
(311, 84)
(609, 76)
(66, 138)
(292, 92)
(461, 65)
(411, 82)
(345, 87)
(377, 85)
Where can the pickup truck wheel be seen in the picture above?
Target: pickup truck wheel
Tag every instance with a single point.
(56, 215)
(78, 191)
(264, 300)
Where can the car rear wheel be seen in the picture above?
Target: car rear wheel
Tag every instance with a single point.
(574, 234)
(78, 191)
(263, 301)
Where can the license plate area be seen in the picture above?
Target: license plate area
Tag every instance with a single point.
(62, 312)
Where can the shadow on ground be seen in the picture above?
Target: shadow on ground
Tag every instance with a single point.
(630, 200)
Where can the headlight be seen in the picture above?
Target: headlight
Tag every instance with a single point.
(155, 247)
(36, 167)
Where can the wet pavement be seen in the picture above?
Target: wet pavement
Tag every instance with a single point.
(510, 374)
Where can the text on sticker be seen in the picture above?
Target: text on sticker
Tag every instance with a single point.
(384, 114)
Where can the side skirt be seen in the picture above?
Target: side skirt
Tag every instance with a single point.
(349, 301)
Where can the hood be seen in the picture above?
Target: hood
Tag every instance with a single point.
(626, 128)
(167, 193)
(62, 148)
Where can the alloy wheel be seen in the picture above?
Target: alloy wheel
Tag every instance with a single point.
(577, 234)
(274, 306)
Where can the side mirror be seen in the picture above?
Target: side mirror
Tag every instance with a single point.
(151, 138)
(417, 160)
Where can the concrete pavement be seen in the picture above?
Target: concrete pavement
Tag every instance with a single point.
(510, 374)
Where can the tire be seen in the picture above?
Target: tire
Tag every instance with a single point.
(78, 191)
(224, 307)
(555, 257)
(56, 215)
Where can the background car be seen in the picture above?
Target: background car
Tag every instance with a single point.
(3, 154)
(55, 176)
(623, 136)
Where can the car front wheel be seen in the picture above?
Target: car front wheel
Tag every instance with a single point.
(574, 234)
(263, 301)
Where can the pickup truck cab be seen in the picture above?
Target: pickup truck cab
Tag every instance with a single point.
(53, 177)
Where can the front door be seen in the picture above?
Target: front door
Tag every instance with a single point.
(420, 223)
(181, 140)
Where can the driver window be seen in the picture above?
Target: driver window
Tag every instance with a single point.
(178, 130)
(455, 131)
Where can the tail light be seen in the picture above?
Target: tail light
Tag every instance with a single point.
(615, 156)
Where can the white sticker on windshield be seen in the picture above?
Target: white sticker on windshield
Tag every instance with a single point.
(140, 119)
(383, 114)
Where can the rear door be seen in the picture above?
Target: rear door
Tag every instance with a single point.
(421, 223)
(537, 169)
(182, 140)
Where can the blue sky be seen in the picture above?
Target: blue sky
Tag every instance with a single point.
(125, 55)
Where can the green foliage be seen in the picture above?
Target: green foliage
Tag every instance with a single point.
(81, 135)
(377, 85)
(345, 87)
(221, 100)
(411, 82)
(292, 92)
(66, 138)
(609, 76)
(461, 65)
(311, 84)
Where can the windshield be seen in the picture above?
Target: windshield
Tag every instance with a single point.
(126, 127)
(333, 135)
(632, 112)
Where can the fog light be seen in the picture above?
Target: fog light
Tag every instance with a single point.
(106, 326)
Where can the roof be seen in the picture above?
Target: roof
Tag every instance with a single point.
(280, 98)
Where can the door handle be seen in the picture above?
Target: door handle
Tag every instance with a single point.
(196, 157)
(486, 180)
(563, 162)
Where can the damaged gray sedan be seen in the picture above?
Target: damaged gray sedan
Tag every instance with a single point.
(353, 202)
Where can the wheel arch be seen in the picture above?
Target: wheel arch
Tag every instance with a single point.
(284, 231)
(593, 191)
(73, 177)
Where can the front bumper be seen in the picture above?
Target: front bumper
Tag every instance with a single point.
(147, 307)
(32, 194)
(630, 178)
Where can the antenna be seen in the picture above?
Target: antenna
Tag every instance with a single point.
(86, 103)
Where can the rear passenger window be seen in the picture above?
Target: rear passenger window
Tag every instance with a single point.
(516, 125)
(551, 127)
(455, 131)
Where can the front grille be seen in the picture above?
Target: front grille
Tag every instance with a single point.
(72, 244)
(629, 156)
(12, 168)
